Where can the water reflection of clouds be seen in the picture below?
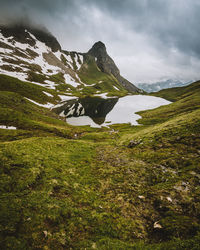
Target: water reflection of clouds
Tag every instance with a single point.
(123, 111)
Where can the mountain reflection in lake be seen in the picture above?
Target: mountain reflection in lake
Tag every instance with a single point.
(98, 112)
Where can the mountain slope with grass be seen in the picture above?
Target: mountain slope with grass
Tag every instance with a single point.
(175, 94)
(33, 54)
(123, 187)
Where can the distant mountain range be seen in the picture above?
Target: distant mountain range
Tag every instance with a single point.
(34, 55)
(154, 87)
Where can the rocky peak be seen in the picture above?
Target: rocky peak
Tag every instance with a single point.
(106, 64)
(20, 32)
(98, 49)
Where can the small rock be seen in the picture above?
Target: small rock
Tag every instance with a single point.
(54, 181)
(141, 197)
(113, 131)
(134, 143)
(184, 184)
(45, 233)
(94, 246)
(156, 225)
(169, 199)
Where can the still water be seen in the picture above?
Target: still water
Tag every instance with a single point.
(98, 112)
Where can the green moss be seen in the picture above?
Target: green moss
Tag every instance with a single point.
(84, 188)
(36, 68)
(102, 82)
(57, 78)
(26, 89)
(35, 77)
(64, 60)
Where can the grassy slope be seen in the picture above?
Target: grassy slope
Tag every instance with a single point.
(90, 74)
(95, 192)
(175, 94)
(26, 89)
(30, 119)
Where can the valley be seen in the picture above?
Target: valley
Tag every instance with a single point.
(77, 187)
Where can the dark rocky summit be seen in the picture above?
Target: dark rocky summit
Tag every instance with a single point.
(107, 65)
(20, 34)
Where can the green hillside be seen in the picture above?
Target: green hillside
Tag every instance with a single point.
(99, 81)
(175, 94)
(70, 187)
(29, 118)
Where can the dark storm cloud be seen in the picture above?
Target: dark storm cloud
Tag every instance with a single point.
(32, 8)
(173, 23)
(158, 38)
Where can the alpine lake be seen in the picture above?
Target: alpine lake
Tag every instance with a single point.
(98, 112)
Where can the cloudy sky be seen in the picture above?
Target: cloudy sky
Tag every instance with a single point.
(150, 40)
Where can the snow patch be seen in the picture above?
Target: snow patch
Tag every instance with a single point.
(58, 54)
(48, 94)
(70, 80)
(69, 59)
(47, 105)
(81, 58)
(6, 51)
(22, 46)
(51, 85)
(41, 48)
(115, 88)
(103, 95)
(66, 98)
(77, 62)
(7, 127)
(19, 75)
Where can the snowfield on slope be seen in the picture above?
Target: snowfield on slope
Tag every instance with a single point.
(21, 70)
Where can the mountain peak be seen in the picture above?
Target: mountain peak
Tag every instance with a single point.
(20, 32)
(98, 49)
(99, 44)
(106, 64)
(27, 42)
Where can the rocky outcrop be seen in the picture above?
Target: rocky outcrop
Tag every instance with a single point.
(107, 65)
(20, 34)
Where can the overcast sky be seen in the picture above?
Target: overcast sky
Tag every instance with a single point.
(150, 40)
